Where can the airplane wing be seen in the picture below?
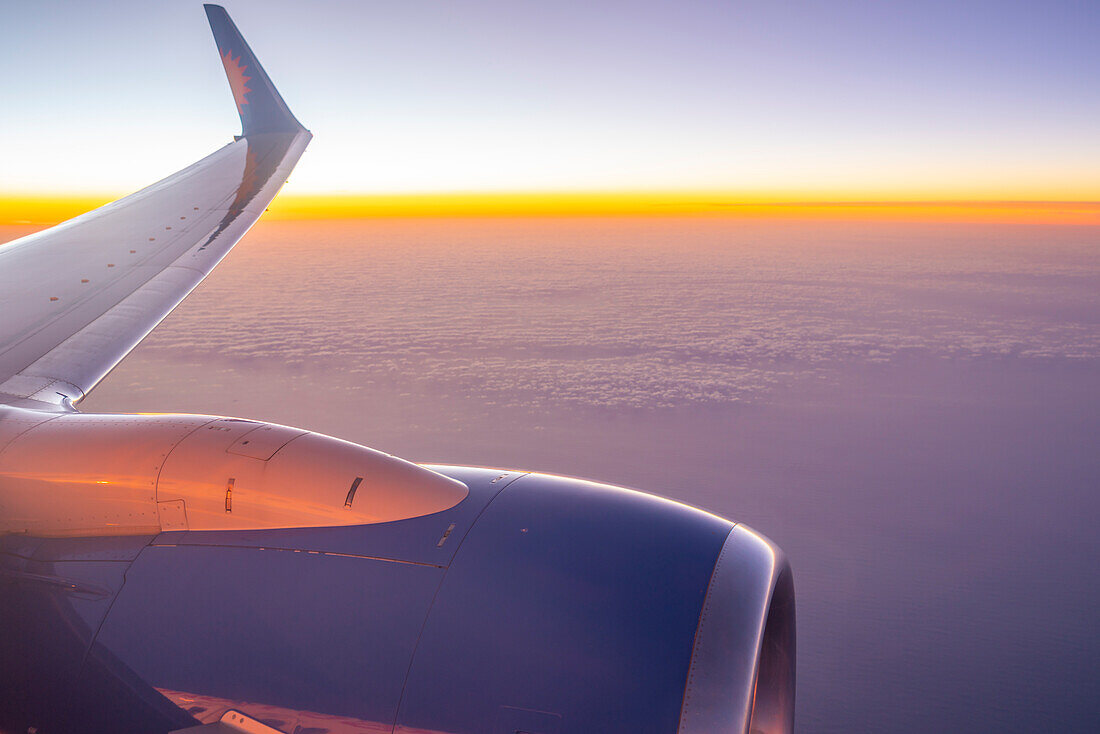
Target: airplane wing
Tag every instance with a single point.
(76, 298)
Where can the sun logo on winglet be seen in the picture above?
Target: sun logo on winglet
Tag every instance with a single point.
(237, 80)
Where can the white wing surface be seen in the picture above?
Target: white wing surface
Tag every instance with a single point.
(76, 298)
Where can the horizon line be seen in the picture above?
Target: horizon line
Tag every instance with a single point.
(38, 209)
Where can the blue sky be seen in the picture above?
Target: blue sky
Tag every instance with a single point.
(970, 99)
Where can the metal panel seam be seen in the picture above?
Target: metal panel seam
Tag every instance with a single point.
(154, 544)
(699, 623)
(106, 614)
(184, 437)
(30, 428)
(428, 612)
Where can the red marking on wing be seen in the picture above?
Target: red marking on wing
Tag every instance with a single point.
(237, 80)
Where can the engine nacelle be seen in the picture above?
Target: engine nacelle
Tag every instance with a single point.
(72, 474)
(538, 604)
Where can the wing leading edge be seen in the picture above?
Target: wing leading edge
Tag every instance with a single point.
(76, 298)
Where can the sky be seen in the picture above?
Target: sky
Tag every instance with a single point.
(762, 101)
(909, 411)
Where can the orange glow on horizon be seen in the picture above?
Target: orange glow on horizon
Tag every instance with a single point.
(49, 210)
(673, 204)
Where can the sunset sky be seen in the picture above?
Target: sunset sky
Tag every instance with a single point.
(760, 256)
(744, 101)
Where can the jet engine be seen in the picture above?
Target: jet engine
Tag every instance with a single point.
(164, 573)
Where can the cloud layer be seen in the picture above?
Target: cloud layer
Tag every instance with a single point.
(636, 313)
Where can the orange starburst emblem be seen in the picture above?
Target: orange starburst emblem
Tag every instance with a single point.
(237, 80)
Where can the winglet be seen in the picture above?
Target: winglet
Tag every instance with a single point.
(261, 108)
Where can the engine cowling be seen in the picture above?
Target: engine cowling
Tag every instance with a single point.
(75, 474)
(525, 602)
